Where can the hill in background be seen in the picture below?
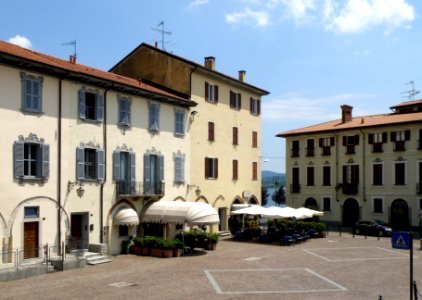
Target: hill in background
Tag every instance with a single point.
(269, 178)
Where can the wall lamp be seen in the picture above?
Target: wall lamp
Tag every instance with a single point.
(192, 115)
(80, 191)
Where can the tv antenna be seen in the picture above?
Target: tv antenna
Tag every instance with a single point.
(71, 43)
(163, 33)
(411, 93)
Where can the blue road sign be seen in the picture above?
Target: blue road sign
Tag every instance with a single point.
(400, 240)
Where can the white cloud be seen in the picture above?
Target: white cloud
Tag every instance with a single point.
(298, 9)
(359, 15)
(259, 18)
(21, 41)
(197, 3)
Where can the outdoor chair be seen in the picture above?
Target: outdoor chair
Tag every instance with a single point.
(287, 240)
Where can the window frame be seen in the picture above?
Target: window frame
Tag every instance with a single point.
(329, 204)
(254, 139)
(211, 131)
(97, 165)
(22, 163)
(211, 168)
(31, 216)
(98, 106)
(235, 100)
(310, 175)
(375, 206)
(153, 118)
(379, 181)
(211, 93)
(402, 182)
(255, 106)
(179, 168)
(324, 175)
(179, 122)
(33, 81)
(124, 113)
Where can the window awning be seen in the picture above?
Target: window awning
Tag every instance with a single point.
(126, 216)
(177, 212)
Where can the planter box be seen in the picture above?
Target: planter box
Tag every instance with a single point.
(156, 252)
(146, 251)
(136, 250)
(167, 253)
(211, 246)
(177, 252)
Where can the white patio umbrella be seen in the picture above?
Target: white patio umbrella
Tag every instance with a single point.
(251, 210)
(310, 212)
(275, 212)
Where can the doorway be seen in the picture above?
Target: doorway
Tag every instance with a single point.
(79, 230)
(311, 203)
(222, 213)
(351, 212)
(30, 239)
(400, 215)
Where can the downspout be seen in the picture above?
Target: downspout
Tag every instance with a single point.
(337, 172)
(59, 166)
(105, 168)
(363, 165)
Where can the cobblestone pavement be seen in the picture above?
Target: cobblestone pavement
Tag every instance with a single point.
(335, 267)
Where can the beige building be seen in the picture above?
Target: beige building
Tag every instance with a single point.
(352, 168)
(81, 147)
(225, 126)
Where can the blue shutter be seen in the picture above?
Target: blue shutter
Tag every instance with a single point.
(129, 104)
(177, 169)
(161, 163)
(80, 163)
(132, 171)
(18, 153)
(147, 170)
(100, 164)
(150, 117)
(100, 107)
(82, 112)
(116, 165)
(182, 169)
(157, 117)
(45, 156)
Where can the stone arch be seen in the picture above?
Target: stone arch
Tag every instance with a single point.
(253, 200)
(351, 212)
(114, 208)
(219, 198)
(201, 198)
(179, 198)
(311, 203)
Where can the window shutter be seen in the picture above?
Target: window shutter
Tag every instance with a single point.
(80, 163)
(147, 170)
(182, 169)
(207, 168)
(100, 164)
(45, 168)
(407, 135)
(216, 168)
(206, 90)
(240, 101)
(216, 93)
(161, 162)
(345, 175)
(356, 139)
(251, 105)
(100, 107)
(82, 109)
(393, 136)
(18, 151)
(128, 114)
(231, 99)
(344, 140)
(132, 171)
(177, 169)
(210, 131)
(332, 141)
(320, 142)
(116, 165)
(258, 102)
(370, 138)
(384, 137)
(235, 174)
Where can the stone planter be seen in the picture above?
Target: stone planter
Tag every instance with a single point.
(211, 246)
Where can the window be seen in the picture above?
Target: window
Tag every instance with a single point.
(31, 93)
(254, 139)
(211, 131)
(326, 144)
(31, 158)
(377, 205)
(235, 100)
(154, 117)
(377, 140)
(350, 179)
(91, 105)
(211, 92)
(326, 175)
(420, 140)
(235, 172)
(254, 170)
(123, 230)
(255, 106)
(124, 171)
(377, 174)
(30, 212)
(399, 139)
(310, 176)
(310, 147)
(179, 168)
(350, 142)
(124, 111)
(235, 136)
(420, 204)
(153, 173)
(89, 163)
(400, 173)
(211, 168)
(326, 204)
(179, 119)
(295, 148)
(295, 187)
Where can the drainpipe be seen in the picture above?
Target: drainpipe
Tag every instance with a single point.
(105, 167)
(59, 166)
(363, 165)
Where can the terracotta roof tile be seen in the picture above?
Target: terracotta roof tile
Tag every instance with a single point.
(356, 123)
(81, 69)
(407, 103)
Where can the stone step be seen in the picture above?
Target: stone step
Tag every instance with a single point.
(98, 259)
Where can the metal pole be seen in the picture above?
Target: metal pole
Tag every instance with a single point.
(411, 264)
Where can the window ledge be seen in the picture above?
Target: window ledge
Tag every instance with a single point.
(31, 112)
(179, 135)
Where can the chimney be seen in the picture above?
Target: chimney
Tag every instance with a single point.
(346, 113)
(72, 59)
(210, 62)
(242, 75)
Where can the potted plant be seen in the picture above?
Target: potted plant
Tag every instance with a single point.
(178, 250)
(157, 248)
(212, 241)
(148, 242)
(321, 228)
(168, 246)
(136, 246)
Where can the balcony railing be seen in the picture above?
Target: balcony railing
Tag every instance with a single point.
(350, 188)
(295, 188)
(137, 189)
(295, 152)
(377, 148)
(399, 146)
(310, 151)
(350, 149)
(326, 151)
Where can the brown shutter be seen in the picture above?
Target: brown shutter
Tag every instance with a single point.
(370, 138)
(240, 101)
(207, 170)
(407, 135)
(210, 131)
(216, 93)
(231, 99)
(235, 173)
(332, 141)
(235, 136)
(251, 105)
(206, 90)
(259, 106)
(216, 167)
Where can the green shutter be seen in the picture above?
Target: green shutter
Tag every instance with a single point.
(147, 170)
(161, 163)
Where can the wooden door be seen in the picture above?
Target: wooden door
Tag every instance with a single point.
(30, 239)
(76, 227)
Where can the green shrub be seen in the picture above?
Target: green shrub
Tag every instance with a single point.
(320, 227)
(213, 237)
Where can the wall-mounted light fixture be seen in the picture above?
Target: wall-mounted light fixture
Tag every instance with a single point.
(192, 115)
(80, 191)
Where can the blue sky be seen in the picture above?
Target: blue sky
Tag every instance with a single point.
(312, 55)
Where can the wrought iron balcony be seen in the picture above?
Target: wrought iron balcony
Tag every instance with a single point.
(139, 189)
(295, 152)
(350, 188)
(310, 151)
(326, 151)
(295, 188)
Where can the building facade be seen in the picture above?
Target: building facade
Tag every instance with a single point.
(353, 168)
(224, 127)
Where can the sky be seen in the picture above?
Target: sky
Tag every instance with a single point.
(311, 55)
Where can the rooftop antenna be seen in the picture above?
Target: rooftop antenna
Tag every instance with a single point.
(163, 33)
(411, 93)
(72, 43)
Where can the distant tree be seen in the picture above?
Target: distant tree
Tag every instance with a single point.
(264, 196)
(279, 196)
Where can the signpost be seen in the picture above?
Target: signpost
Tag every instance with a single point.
(404, 240)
